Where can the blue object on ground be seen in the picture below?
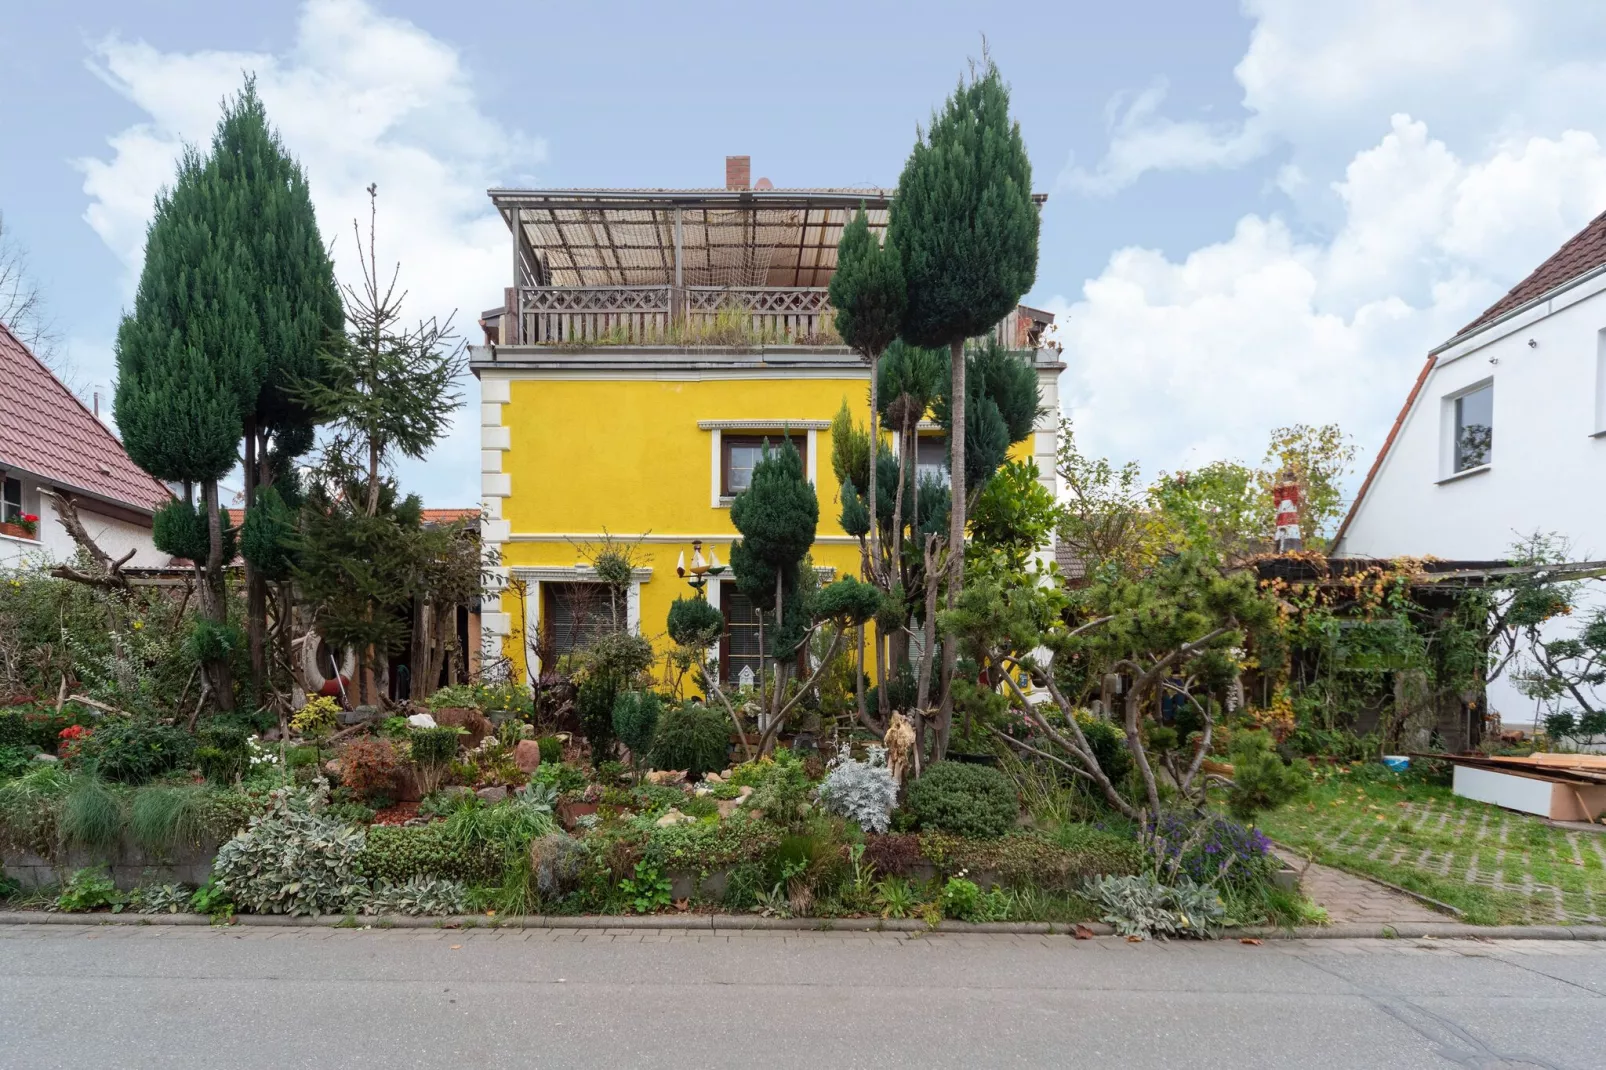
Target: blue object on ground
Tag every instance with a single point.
(1397, 763)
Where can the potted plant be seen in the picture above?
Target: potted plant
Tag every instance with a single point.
(24, 526)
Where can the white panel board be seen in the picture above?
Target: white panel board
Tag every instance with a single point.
(1513, 792)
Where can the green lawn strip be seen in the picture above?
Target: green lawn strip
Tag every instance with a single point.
(1437, 838)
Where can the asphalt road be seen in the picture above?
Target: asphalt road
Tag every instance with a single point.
(124, 996)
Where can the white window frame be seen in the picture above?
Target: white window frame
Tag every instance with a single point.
(1600, 384)
(1447, 422)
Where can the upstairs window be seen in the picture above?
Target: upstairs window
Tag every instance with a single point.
(740, 454)
(1474, 428)
(11, 501)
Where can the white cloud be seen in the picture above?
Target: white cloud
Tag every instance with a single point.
(358, 97)
(1182, 362)
(1317, 78)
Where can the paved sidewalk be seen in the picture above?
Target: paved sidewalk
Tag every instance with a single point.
(1348, 898)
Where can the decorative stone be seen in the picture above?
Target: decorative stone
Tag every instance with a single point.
(493, 795)
(715, 778)
(673, 817)
(667, 776)
(527, 754)
(45, 758)
(472, 721)
(332, 767)
(421, 720)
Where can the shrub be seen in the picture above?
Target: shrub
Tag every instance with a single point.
(694, 622)
(133, 751)
(292, 860)
(30, 806)
(1261, 780)
(555, 864)
(780, 791)
(433, 749)
(1028, 860)
(691, 737)
(594, 701)
(91, 815)
(635, 721)
(964, 899)
(90, 888)
(894, 854)
(551, 750)
(16, 759)
(370, 769)
(647, 889)
(1139, 905)
(224, 756)
(964, 799)
(398, 853)
(433, 896)
(317, 718)
(863, 792)
(702, 846)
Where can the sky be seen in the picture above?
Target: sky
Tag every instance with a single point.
(1258, 214)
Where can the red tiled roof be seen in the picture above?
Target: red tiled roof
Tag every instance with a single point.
(1583, 252)
(447, 516)
(47, 432)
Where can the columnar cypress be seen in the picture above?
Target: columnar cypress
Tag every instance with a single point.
(964, 223)
(297, 310)
(185, 357)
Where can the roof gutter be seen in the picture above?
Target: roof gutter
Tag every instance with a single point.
(1548, 295)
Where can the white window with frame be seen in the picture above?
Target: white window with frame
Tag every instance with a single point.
(931, 459)
(10, 500)
(1600, 383)
(1469, 429)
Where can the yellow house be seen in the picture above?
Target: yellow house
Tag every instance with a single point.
(651, 342)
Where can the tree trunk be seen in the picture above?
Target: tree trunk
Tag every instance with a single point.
(956, 530)
(214, 596)
(875, 455)
(256, 585)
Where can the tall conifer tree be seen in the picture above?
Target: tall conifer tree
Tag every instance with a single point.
(964, 223)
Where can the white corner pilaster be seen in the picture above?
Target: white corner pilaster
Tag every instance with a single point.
(496, 485)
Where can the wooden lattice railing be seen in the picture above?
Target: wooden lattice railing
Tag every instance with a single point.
(668, 315)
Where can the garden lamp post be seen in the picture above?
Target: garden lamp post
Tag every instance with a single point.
(701, 570)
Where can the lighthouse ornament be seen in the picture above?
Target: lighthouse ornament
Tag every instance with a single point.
(1286, 495)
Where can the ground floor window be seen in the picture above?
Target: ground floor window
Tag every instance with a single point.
(573, 614)
(739, 647)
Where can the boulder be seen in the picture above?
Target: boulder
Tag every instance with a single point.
(470, 720)
(666, 776)
(527, 754)
(673, 817)
(421, 720)
(493, 795)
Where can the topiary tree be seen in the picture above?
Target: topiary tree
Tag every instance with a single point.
(966, 228)
(966, 800)
(691, 737)
(869, 296)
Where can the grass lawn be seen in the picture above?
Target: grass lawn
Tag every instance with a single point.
(1500, 867)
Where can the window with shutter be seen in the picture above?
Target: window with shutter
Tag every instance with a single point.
(573, 614)
(739, 647)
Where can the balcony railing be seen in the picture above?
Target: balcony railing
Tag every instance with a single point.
(674, 315)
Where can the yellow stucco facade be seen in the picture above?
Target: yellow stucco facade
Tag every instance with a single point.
(572, 454)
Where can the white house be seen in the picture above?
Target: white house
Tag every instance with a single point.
(49, 441)
(1503, 435)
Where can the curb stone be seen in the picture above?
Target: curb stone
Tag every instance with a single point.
(739, 923)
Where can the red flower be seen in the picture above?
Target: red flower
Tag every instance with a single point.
(74, 732)
(30, 518)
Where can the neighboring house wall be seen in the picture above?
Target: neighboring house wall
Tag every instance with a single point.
(1547, 467)
(53, 545)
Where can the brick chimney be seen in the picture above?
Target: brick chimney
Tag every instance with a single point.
(738, 172)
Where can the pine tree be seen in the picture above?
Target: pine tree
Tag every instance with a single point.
(966, 227)
(777, 515)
